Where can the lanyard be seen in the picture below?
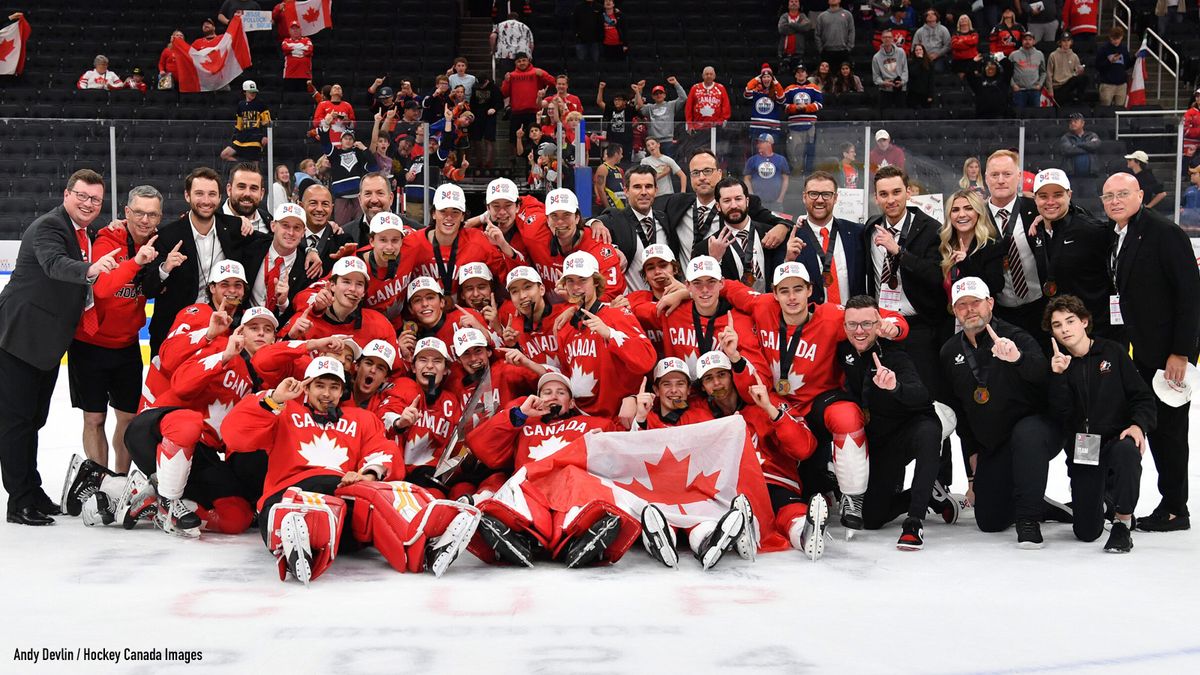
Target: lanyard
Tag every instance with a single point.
(979, 372)
(787, 348)
(445, 271)
(704, 336)
(531, 323)
(578, 316)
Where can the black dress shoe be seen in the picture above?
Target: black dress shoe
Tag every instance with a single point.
(47, 507)
(29, 515)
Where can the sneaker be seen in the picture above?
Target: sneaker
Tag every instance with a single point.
(812, 535)
(721, 539)
(1119, 539)
(82, 481)
(137, 501)
(446, 547)
(174, 517)
(912, 535)
(1163, 522)
(945, 504)
(97, 510)
(1057, 513)
(1029, 534)
(852, 513)
(514, 548)
(659, 537)
(297, 548)
(747, 541)
(589, 547)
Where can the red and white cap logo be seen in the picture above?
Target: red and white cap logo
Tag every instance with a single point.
(466, 338)
(450, 196)
(712, 361)
(386, 220)
(657, 252)
(523, 273)
(475, 270)
(580, 264)
(290, 211)
(969, 287)
(561, 199)
(325, 365)
(703, 266)
(1051, 177)
(350, 265)
(382, 351)
(502, 188)
(431, 343)
(790, 270)
(671, 365)
(227, 269)
(423, 284)
(253, 313)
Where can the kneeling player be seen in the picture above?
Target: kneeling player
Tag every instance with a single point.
(325, 467)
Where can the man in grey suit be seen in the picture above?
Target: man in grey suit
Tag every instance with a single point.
(40, 308)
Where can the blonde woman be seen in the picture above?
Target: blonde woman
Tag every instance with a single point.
(970, 244)
(972, 178)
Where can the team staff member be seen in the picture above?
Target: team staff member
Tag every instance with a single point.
(637, 227)
(1158, 290)
(1107, 410)
(837, 242)
(40, 308)
(1025, 282)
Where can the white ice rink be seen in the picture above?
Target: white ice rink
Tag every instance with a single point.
(968, 603)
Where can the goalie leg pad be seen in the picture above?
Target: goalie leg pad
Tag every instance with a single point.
(513, 520)
(323, 517)
(845, 423)
(383, 516)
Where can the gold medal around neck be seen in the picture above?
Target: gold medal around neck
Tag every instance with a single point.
(783, 387)
(982, 395)
(1049, 289)
(828, 278)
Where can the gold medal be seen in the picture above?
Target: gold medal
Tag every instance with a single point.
(982, 395)
(1049, 289)
(866, 417)
(783, 387)
(410, 326)
(828, 278)
(749, 279)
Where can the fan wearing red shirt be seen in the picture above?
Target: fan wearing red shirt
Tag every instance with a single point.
(166, 60)
(342, 111)
(338, 310)
(527, 319)
(547, 248)
(707, 102)
(209, 37)
(297, 56)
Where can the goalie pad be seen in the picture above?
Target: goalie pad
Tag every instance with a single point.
(323, 514)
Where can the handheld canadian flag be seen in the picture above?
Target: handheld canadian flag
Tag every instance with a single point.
(211, 68)
(1137, 83)
(13, 39)
(313, 16)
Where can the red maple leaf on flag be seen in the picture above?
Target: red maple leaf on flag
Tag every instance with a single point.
(669, 481)
(311, 15)
(214, 61)
(7, 48)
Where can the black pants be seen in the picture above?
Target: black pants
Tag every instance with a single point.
(25, 393)
(1169, 447)
(325, 485)
(924, 346)
(918, 439)
(1010, 482)
(1028, 317)
(210, 478)
(1119, 474)
(1071, 90)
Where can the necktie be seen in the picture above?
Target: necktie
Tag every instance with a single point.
(271, 280)
(648, 228)
(750, 272)
(833, 292)
(312, 241)
(91, 318)
(1013, 260)
(888, 275)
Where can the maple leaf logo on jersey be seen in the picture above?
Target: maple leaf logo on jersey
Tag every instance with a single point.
(214, 61)
(583, 383)
(311, 15)
(417, 451)
(617, 336)
(212, 361)
(377, 459)
(546, 448)
(670, 482)
(216, 414)
(7, 48)
(324, 451)
(1085, 9)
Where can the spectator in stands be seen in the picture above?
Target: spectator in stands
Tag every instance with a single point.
(846, 82)
(453, 170)
(563, 98)
(707, 102)
(100, 77)
(1189, 214)
(1081, 18)
(349, 161)
(208, 36)
(964, 47)
(249, 127)
(459, 77)
(136, 81)
(410, 120)
(920, 78)
(802, 101)
(768, 173)
(1006, 35)
(901, 31)
(991, 87)
(972, 178)
(664, 167)
(168, 69)
(1113, 64)
(612, 41)
(1153, 192)
(608, 185)
(824, 76)
(1041, 18)
(792, 26)
(244, 191)
(297, 59)
(486, 102)
(1191, 131)
(1079, 147)
(935, 38)
(1029, 74)
(433, 106)
(889, 72)
(834, 30)
(849, 169)
(231, 8)
(588, 30)
(885, 152)
(765, 94)
(342, 111)
(1169, 11)
(509, 39)
(1064, 73)
(617, 119)
(523, 87)
(661, 116)
(281, 186)
(380, 147)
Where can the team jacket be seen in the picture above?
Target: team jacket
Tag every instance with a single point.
(802, 102)
(544, 254)
(602, 372)
(1102, 393)
(417, 258)
(363, 325)
(280, 360)
(301, 444)
(766, 109)
(425, 441)
(510, 437)
(297, 58)
(120, 303)
(212, 388)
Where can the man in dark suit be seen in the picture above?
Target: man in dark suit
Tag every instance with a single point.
(1072, 249)
(40, 309)
(323, 235)
(375, 195)
(838, 258)
(189, 249)
(276, 264)
(245, 194)
(1023, 299)
(634, 228)
(1159, 297)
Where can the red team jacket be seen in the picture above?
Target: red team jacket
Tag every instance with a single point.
(120, 304)
(211, 388)
(680, 340)
(602, 372)
(297, 58)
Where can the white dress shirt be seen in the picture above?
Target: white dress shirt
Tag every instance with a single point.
(687, 227)
(259, 292)
(633, 272)
(839, 255)
(1008, 297)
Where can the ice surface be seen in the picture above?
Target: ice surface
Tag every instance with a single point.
(969, 602)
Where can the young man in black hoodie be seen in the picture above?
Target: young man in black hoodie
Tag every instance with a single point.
(1106, 410)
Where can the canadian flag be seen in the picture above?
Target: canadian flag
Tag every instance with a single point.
(13, 39)
(313, 16)
(1137, 83)
(211, 68)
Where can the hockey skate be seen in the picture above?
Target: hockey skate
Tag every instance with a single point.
(659, 537)
(297, 550)
(174, 517)
(97, 510)
(722, 538)
(446, 548)
(747, 541)
(137, 500)
(852, 518)
(82, 481)
(511, 547)
(944, 504)
(813, 532)
(589, 547)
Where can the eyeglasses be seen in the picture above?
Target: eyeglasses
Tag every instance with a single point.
(87, 199)
(815, 196)
(864, 325)
(696, 173)
(143, 215)
(1122, 195)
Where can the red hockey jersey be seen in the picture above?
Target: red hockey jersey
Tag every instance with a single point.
(417, 257)
(497, 442)
(204, 384)
(120, 304)
(536, 339)
(680, 336)
(363, 325)
(602, 372)
(185, 339)
(1082, 17)
(543, 254)
(706, 106)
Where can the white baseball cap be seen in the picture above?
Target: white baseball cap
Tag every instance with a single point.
(386, 220)
(466, 338)
(1139, 155)
(554, 376)
(657, 252)
(449, 196)
(711, 361)
(972, 287)
(561, 199)
(423, 284)
(431, 343)
(325, 365)
(703, 266)
(1051, 177)
(474, 270)
(350, 265)
(227, 269)
(882, 134)
(671, 364)
(249, 85)
(290, 210)
(580, 264)
(355, 350)
(253, 313)
(1176, 395)
(502, 188)
(523, 273)
(790, 270)
(382, 351)
(946, 418)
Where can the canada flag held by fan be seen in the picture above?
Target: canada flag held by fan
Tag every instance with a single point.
(13, 39)
(211, 68)
(313, 16)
